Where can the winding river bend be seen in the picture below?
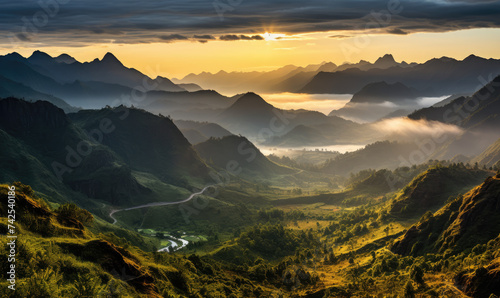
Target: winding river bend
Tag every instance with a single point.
(158, 204)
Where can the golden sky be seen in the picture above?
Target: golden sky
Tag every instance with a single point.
(178, 59)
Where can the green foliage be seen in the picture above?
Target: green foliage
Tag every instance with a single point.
(274, 241)
(72, 211)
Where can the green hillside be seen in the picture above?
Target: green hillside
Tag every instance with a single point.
(467, 221)
(431, 189)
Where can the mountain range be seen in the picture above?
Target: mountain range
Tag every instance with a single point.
(289, 78)
(435, 77)
(94, 84)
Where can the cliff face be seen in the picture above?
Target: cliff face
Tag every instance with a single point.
(468, 221)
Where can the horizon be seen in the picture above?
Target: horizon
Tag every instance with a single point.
(147, 69)
(177, 39)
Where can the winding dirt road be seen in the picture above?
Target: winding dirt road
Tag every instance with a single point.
(157, 204)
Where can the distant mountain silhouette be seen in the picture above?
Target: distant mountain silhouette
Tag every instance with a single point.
(190, 87)
(378, 100)
(279, 80)
(435, 77)
(58, 76)
(65, 58)
(324, 131)
(9, 88)
(286, 79)
(385, 62)
(379, 92)
(248, 114)
(203, 105)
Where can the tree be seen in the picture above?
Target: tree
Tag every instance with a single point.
(409, 291)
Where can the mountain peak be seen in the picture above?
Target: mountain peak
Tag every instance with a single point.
(110, 59)
(38, 53)
(473, 57)
(65, 58)
(14, 56)
(386, 59)
(383, 91)
(40, 56)
(251, 101)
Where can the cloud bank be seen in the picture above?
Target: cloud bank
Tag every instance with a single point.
(79, 22)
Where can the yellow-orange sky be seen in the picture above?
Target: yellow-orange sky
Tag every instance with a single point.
(181, 58)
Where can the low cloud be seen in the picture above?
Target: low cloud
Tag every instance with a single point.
(340, 36)
(233, 37)
(207, 37)
(409, 130)
(173, 37)
(397, 31)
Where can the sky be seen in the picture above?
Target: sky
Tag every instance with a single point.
(175, 38)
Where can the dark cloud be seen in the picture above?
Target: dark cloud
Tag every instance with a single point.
(206, 37)
(87, 21)
(203, 38)
(229, 37)
(232, 37)
(173, 37)
(339, 36)
(396, 31)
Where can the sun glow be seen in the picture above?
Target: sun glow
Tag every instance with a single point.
(272, 36)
